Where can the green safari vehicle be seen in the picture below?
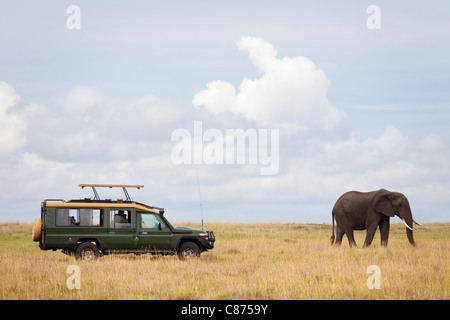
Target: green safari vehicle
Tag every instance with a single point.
(88, 228)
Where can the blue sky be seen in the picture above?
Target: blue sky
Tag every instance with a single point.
(357, 109)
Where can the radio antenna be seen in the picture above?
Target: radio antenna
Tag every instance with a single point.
(199, 194)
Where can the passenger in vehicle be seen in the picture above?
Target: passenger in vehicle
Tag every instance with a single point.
(120, 217)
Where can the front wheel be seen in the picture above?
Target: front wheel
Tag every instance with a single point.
(87, 251)
(188, 250)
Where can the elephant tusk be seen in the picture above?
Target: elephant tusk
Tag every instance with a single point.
(404, 222)
(417, 223)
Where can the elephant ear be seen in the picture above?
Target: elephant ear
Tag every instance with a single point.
(383, 204)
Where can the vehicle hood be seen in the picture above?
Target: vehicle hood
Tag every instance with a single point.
(186, 230)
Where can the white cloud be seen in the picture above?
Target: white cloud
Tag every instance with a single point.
(391, 146)
(12, 123)
(218, 98)
(108, 132)
(431, 143)
(8, 96)
(326, 169)
(81, 98)
(391, 161)
(291, 93)
(142, 119)
(130, 143)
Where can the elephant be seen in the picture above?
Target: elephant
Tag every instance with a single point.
(356, 210)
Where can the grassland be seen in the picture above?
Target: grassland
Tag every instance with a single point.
(250, 261)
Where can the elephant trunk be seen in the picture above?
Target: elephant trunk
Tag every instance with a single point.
(409, 233)
(407, 219)
(409, 230)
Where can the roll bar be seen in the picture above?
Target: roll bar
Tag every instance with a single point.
(123, 186)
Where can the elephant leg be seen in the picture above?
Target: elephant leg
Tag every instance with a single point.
(351, 239)
(384, 230)
(339, 235)
(370, 234)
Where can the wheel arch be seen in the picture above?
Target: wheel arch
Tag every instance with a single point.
(188, 239)
(91, 240)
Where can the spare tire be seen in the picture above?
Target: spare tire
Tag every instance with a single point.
(37, 232)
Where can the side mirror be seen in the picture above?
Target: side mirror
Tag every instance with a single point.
(159, 226)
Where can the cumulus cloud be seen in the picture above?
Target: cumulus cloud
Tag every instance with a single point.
(392, 145)
(431, 143)
(144, 118)
(110, 131)
(131, 143)
(391, 161)
(12, 123)
(291, 93)
(46, 153)
(81, 98)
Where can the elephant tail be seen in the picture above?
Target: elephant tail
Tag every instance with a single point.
(332, 235)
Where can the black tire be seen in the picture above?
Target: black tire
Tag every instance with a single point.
(87, 251)
(188, 250)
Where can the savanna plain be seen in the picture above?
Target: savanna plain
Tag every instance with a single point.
(249, 261)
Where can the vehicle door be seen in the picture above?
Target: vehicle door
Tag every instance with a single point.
(122, 229)
(153, 233)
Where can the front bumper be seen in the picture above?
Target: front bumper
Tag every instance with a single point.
(208, 242)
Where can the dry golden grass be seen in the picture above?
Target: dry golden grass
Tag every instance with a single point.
(250, 261)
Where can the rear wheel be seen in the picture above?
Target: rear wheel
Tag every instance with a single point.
(188, 250)
(87, 251)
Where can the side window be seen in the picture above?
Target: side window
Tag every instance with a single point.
(79, 217)
(150, 221)
(66, 217)
(120, 218)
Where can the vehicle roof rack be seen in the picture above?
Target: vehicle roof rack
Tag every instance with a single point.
(123, 186)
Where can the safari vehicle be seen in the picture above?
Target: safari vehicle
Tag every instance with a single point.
(89, 228)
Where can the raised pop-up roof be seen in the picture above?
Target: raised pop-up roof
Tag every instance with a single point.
(123, 186)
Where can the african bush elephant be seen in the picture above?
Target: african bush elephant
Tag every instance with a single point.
(368, 210)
